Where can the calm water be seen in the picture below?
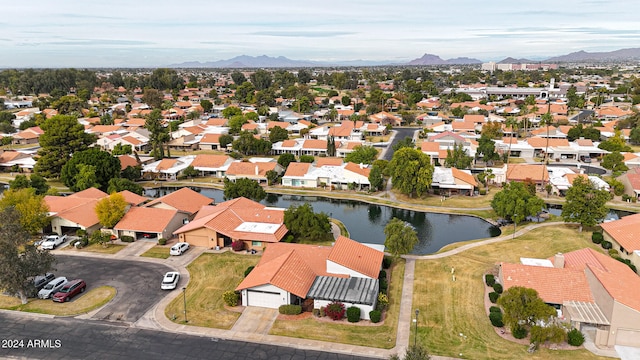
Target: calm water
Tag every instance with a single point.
(366, 222)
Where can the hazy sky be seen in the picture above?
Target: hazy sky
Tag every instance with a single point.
(86, 33)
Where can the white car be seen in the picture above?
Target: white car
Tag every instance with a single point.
(52, 287)
(52, 241)
(170, 280)
(179, 248)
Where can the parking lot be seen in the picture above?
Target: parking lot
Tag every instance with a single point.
(137, 283)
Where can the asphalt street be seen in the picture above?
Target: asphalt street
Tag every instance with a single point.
(33, 337)
(137, 283)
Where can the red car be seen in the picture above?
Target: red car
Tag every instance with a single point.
(69, 290)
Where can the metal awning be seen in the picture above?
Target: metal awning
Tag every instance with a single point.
(585, 312)
(353, 290)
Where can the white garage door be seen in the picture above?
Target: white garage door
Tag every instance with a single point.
(264, 299)
(628, 337)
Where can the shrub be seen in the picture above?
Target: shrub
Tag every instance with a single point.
(575, 337)
(98, 237)
(237, 245)
(493, 297)
(519, 332)
(383, 301)
(383, 285)
(129, 239)
(335, 310)
(497, 287)
(162, 241)
(386, 262)
(316, 312)
(489, 279)
(605, 245)
(495, 309)
(382, 274)
(496, 319)
(353, 314)
(230, 298)
(323, 311)
(613, 253)
(81, 232)
(290, 309)
(482, 191)
(597, 237)
(375, 316)
(246, 272)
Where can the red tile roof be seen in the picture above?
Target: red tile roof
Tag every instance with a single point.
(356, 256)
(297, 169)
(146, 219)
(328, 161)
(209, 160)
(248, 168)
(183, 199)
(521, 172)
(625, 231)
(133, 198)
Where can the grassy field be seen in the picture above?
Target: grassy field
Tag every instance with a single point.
(158, 252)
(464, 202)
(210, 276)
(383, 336)
(81, 304)
(449, 309)
(97, 248)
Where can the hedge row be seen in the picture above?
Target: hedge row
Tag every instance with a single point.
(290, 309)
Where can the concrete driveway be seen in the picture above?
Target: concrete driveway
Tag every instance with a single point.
(137, 283)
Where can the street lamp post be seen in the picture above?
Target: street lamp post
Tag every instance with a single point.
(415, 337)
(514, 226)
(184, 297)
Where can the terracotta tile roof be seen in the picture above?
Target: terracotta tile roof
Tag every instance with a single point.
(146, 219)
(78, 208)
(297, 169)
(210, 139)
(572, 177)
(510, 140)
(183, 199)
(479, 119)
(554, 285)
(90, 193)
(584, 142)
(461, 175)
(625, 231)
(540, 142)
(133, 198)
(105, 128)
(247, 168)
(127, 160)
(353, 167)
(340, 131)
(209, 160)
(328, 161)
(629, 156)
(6, 156)
(166, 164)
(216, 122)
(430, 146)
(289, 143)
(131, 140)
(194, 129)
(356, 256)
(619, 280)
(281, 124)
(314, 144)
(521, 172)
(634, 180)
(249, 126)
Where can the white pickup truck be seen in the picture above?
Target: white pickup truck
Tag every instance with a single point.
(52, 241)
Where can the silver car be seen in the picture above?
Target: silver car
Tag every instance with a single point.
(170, 280)
(52, 287)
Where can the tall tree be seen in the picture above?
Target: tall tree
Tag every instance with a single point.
(331, 146)
(104, 166)
(243, 187)
(285, 159)
(278, 134)
(362, 154)
(63, 135)
(614, 162)
(376, 179)
(34, 212)
(121, 184)
(585, 204)
(487, 149)
(111, 209)
(307, 226)
(20, 261)
(401, 237)
(522, 306)
(411, 171)
(458, 157)
(153, 98)
(159, 134)
(516, 202)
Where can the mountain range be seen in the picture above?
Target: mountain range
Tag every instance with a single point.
(264, 61)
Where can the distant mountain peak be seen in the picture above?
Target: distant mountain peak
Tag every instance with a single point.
(430, 59)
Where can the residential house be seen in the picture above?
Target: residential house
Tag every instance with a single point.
(314, 276)
(449, 181)
(74, 212)
(22, 160)
(334, 174)
(212, 165)
(154, 222)
(183, 200)
(27, 136)
(239, 219)
(166, 169)
(537, 173)
(562, 178)
(592, 291)
(624, 235)
(255, 171)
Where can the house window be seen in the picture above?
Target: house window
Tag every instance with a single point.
(256, 243)
(301, 182)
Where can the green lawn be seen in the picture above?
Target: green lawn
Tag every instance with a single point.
(158, 252)
(382, 336)
(449, 309)
(210, 276)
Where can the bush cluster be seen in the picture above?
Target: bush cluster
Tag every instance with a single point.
(246, 272)
(128, 239)
(519, 332)
(375, 316)
(495, 309)
(489, 279)
(575, 337)
(493, 297)
(382, 274)
(353, 314)
(162, 241)
(386, 262)
(290, 309)
(597, 237)
(383, 301)
(384, 285)
(613, 253)
(230, 298)
(497, 287)
(237, 245)
(606, 245)
(496, 319)
(335, 310)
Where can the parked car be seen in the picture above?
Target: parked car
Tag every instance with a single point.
(69, 290)
(170, 280)
(179, 248)
(52, 241)
(41, 280)
(52, 287)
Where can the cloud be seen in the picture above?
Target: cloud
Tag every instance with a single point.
(116, 42)
(310, 34)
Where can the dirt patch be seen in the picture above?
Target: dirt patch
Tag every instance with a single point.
(301, 316)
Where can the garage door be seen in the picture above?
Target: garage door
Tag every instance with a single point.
(628, 338)
(264, 299)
